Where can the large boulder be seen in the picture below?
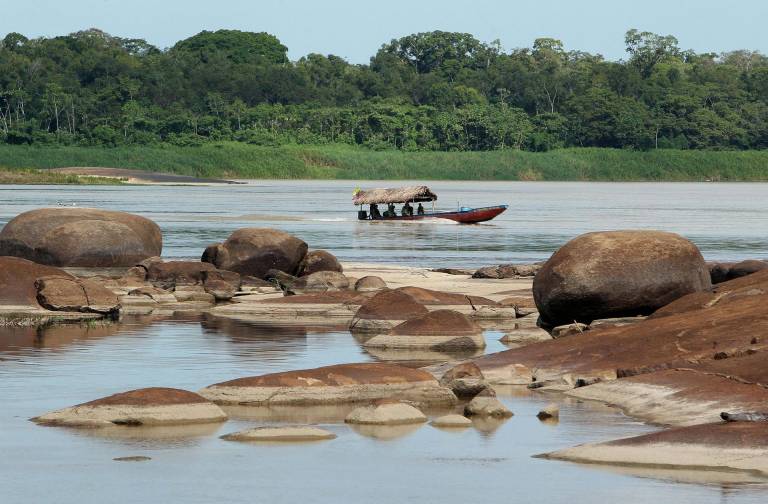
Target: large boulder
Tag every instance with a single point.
(319, 260)
(617, 274)
(81, 237)
(255, 251)
(148, 406)
(342, 383)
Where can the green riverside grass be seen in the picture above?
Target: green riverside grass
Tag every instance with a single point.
(244, 161)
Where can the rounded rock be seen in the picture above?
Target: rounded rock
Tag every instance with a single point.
(486, 406)
(81, 237)
(281, 434)
(617, 274)
(386, 413)
(451, 422)
(319, 260)
(148, 406)
(370, 284)
(255, 251)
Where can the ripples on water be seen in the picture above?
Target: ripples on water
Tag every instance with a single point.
(726, 220)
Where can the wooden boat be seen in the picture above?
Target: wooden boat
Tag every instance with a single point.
(409, 196)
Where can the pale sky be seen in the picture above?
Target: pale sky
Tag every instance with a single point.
(356, 29)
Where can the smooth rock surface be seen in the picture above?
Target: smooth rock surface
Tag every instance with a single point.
(341, 383)
(617, 274)
(319, 260)
(386, 413)
(718, 446)
(148, 406)
(451, 422)
(81, 237)
(58, 293)
(370, 284)
(281, 434)
(486, 406)
(441, 330)
(17, 281)
(385, 310)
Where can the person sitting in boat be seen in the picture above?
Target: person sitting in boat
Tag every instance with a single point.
(407, 210)
(390, 211)
(420, 209)
(375, 214)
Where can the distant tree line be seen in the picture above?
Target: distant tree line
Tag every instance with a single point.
(427, 91)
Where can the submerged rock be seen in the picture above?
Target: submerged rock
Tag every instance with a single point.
(132, 458)
(148, 406)
(386, 412)
(282, 434)
(549, 412)
(255, 251)
(81, 237)
(342, 383)
(617, 274)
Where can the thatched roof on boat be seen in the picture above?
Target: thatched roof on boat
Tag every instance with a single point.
(397, 195)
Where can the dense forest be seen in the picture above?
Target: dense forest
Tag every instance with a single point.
(436, 91)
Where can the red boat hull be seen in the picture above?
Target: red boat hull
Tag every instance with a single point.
(467, 216)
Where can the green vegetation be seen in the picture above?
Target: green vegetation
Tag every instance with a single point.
(237, 160)
(436, 91)
(22, 176)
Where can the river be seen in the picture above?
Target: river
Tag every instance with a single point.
(727, 221)
(54, 367)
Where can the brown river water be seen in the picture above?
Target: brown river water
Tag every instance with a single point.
(49, 368)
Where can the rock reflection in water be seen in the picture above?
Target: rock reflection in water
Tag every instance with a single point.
(61, 335)
(151, 437)
(385, 432)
